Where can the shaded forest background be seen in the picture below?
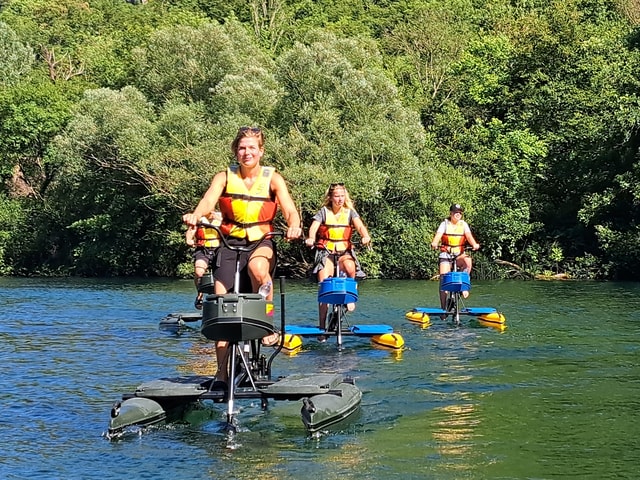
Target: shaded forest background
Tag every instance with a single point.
(114, 116)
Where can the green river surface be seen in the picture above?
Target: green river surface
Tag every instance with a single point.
(556, 395)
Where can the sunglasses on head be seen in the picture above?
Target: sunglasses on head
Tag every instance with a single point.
(334, 185)
(254, 130)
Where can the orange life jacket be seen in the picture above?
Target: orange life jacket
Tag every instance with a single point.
(335, 233)
(453, 239)
(208, 237)
(248, 213)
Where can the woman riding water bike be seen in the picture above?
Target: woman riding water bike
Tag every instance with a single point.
(451, 237)
(248, 195)
(333, 225)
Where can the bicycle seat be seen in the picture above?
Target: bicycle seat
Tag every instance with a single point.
(236, 317)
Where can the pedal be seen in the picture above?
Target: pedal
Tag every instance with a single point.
(332, 322)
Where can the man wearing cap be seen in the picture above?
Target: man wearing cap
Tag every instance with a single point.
(451, 237)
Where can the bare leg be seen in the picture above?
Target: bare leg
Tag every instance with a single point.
(465, 264)
(323, 274)
(322, 318)
(445, 267)
(348, 266)
(260, 265)
(222, 348)
(200, 267)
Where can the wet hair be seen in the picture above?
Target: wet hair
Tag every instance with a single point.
(347, 199)
(247, 132)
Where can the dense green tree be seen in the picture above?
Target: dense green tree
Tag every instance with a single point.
(16, 58)
(575, 86)
(341, 111)
(115, 114)
(31, 114)
(105, 189)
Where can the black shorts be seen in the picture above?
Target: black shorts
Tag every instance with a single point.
(206, 254)
(226, 263)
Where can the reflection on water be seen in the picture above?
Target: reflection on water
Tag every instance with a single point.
(553, 396)
(455, 431)
(200, 359)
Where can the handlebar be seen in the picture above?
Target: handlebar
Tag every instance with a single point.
(317, 246)
(238, 248)
(465, 249)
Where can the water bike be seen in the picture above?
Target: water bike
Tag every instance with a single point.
(242, 320)
(454, 283)
(179, 322)
(338, 292)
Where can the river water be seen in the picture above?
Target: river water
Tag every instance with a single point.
(556, 395)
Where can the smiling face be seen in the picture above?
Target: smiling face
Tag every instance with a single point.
(249, 151)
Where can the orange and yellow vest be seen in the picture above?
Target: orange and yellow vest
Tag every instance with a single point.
(248, 213)
(335, 233)
(453, 237)
(208, 237)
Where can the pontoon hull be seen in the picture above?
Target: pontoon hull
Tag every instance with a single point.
(321, 411)
(135, 411)
(332, 397)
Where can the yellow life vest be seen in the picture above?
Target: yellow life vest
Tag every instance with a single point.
(248, 213)
(335, 233)
(208, 237)
(453, 239)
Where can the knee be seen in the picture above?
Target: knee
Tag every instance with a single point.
(258, 270)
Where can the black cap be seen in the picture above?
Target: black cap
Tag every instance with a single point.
(456, 207)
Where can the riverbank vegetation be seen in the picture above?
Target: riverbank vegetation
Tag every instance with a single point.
(114, 116)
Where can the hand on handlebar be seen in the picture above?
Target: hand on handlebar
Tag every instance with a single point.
(466, 248)
(190, 219)
(293, 232)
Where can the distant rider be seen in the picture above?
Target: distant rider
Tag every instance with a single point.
(333, 226)
(451, 237)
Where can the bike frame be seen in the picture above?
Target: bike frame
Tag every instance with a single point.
(454, 300)
(246, 365)
(335, 312)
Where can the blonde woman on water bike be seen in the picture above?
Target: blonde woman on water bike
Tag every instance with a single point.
(451, 237)
(330, 232)
(248, 195)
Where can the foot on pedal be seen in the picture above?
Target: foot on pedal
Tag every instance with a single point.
(220, 386)
(198, 302)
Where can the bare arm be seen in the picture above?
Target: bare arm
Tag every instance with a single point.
(208, 201)
(289, 210)
(190, 236)
(362, 230)
(313, 231)
(472, 241)
(435, 243)
(436, 240)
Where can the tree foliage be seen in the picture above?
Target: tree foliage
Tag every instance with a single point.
(114, 116)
